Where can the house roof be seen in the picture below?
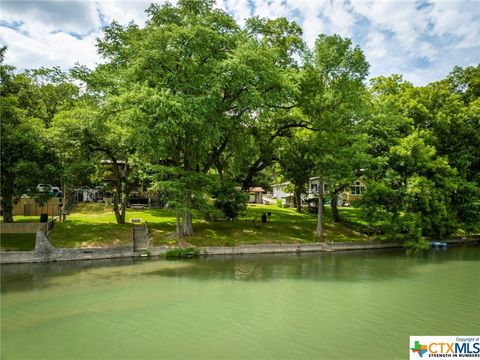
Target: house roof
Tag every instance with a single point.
(256, 189)
(110, 162)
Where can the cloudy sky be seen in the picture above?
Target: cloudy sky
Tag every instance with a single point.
(422, 40)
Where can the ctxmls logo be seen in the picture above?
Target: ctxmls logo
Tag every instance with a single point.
(466, 347)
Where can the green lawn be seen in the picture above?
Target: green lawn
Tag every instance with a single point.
(21, 218)
(17, 242)
(91, 225)
(284, 227)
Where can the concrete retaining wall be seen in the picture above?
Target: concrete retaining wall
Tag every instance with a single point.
(291, 248)
(44, 251)
(93, 253)
(13, 257)
(157, 250)
(21, 228)
(17, 257)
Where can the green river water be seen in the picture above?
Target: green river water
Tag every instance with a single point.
(355, 305)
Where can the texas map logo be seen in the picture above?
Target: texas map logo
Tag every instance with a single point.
(420, 349)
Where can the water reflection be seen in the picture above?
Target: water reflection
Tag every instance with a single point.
(348, 266)
(25, 277)
(339, 266)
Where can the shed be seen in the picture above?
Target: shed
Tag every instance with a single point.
(255, 195)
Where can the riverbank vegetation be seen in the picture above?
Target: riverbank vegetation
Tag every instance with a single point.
(193, 109)
(182, 253)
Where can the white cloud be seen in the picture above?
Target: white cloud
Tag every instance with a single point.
(402, 18)
(124, 11)
(79, 17)
(312, 27)
(461, 22)
(375, 46)
(341, 18)
(239, 9)
(271, 9)
(47, 50)
(61, 33)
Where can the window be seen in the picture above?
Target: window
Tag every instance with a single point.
(357, 189)
(315, 187)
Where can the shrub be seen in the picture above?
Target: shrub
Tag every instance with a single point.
(230, 199)
(181, 253)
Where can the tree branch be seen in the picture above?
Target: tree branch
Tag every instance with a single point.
(283, 107)
(216, 154)
(279, 132)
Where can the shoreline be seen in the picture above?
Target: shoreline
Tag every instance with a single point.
(45, 252)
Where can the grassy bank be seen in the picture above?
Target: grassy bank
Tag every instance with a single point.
(92, 225)
(17, 242)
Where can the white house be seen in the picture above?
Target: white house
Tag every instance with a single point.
(280, 193)
(350, 194)
(314, 188)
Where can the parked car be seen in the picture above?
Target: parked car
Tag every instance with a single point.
(48, 188)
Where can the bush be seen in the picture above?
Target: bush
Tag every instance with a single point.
(418, 246)
(279, 203)
(231, 200)
(181, 253)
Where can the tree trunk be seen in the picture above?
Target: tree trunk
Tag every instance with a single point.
(178, 229)
(187, 228)
(7, 199)
(7, 208)
(298, 199)
(124, 209)
(319, 232)
(120, 199)
(117, 202)
(336, 217)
